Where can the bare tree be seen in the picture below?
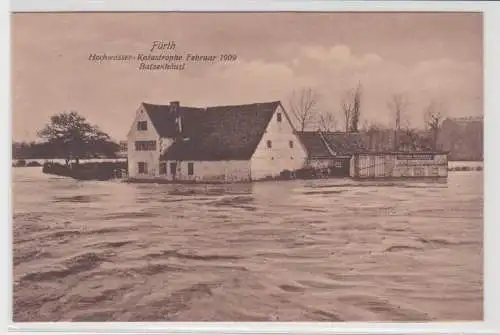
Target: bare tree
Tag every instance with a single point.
(433, 118)
(328, 121)
(303, 104)
(347, 111)
(398, 104)
(356, 115)
(409, 140)
(351, 109)
(372, 131)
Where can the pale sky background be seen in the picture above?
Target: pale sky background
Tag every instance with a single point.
(424, 55)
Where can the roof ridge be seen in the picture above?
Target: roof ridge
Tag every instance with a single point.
(217, 106)
(325, 142)
(217, 133)
(242, 105)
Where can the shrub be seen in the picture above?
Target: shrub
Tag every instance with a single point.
(20, 163)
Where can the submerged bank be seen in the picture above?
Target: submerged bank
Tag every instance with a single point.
(88, 171)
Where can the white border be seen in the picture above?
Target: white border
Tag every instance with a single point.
(492, 168)
(238, 5)
(5, 151)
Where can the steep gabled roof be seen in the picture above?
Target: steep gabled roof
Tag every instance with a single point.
(345, 144)
(213, 133)
(163, 119)
(314, 144)
(329, 144)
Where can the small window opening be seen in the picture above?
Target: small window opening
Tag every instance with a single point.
(143, 167)
(142, 125)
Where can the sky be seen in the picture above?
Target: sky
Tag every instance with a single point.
(424, 56)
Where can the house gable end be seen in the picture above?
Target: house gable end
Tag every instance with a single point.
(279, 148)
(141, 114)
(298, 138)
(259, 143)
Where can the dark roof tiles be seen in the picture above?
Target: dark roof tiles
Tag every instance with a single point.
(343, 143)
(314, 144)
(213, 133)
(318, 144)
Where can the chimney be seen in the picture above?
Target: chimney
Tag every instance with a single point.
(175, 109)
(174, 105)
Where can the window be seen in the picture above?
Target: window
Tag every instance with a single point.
(145, 145)
(163, 168)
(290, 144)
(278, 116)
(143, 167)
(173, 168)
(190, 169)
(142, 125)
(123, 146)
(269, 144)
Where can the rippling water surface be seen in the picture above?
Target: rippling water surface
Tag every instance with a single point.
(324, 250)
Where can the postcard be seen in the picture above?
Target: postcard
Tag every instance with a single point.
(258, 166)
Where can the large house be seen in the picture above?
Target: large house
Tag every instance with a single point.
(254, 142)
(222, 143)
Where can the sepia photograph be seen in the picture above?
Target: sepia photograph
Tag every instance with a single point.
(247, 166)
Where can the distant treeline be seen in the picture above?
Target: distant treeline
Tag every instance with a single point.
(462, 139)
(47, 150)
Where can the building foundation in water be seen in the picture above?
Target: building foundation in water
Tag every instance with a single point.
(399, 165)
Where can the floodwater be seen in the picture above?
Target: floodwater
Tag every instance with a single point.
(324, 250)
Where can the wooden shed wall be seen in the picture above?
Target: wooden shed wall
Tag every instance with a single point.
(399, 165)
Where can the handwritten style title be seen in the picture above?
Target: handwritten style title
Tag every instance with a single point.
(161, 45)
(162, 55)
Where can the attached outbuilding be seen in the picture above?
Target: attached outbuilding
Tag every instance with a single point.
(328, 153)
(345, 155)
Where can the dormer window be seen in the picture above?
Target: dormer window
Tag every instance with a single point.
(278, 117)
(142, 125)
